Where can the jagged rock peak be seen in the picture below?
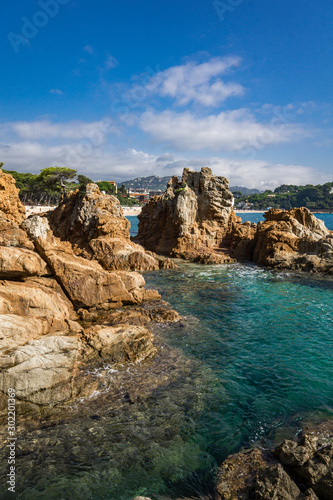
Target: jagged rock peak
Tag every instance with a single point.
(191, 218)
(96, 227)
(11, 207)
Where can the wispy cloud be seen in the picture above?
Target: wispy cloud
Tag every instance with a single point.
(111, 62)
(56, 91)
(89, 49)
(227, 131)
(197, 83)
(103, 160)
(46, 130)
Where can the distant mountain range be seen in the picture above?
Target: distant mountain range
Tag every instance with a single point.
(155, 183)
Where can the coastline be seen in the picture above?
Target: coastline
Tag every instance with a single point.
(32, 210)
(130, 211)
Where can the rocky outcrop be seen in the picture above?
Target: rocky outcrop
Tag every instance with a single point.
(294, 470)
(85, 282)
(95, 226)
(121, 344)
(10, 206)
(194, 219)
(21, 263)
(294, 240)
(46, 287)
(191, 219)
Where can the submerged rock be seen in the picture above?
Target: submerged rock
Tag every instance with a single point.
(294, 470)
(191, 219)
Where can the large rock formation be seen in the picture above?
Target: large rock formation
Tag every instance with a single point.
(46, 288)
(293, 239)
(191, 219)
(11, 207)
(94, 224)
(85, 282)
(295, 470)
(194, 219)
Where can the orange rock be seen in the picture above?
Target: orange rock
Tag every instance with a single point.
(191, 218)
(94, 224)
(10, 203)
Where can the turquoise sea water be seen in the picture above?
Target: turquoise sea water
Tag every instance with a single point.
(251, 216)
(251, 360)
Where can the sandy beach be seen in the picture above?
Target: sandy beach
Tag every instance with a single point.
(31, 210)
(128, 211)
(131, 211)
(250, 211)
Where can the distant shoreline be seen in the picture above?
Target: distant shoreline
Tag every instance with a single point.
(135, 211)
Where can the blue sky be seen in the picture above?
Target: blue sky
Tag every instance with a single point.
(125, 89)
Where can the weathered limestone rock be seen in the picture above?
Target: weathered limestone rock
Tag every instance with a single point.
(274, 483)
(295, 240)
(237, 475)
(42, 371)
(21, 263)
(11, 235)
(297, 470)
(85, 282)
(94, 224)
(120, 344)
(10, 204)
(17, 256)
(26, 299)
(190, 219)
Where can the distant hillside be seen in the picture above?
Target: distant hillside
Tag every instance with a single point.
(319, 197)
(152, 183)
(155, 183)
(244, 190)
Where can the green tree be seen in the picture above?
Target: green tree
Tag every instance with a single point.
(56, 179)
(83, 181)
(106, 186)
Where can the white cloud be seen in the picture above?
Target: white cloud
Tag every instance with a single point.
(85, 146)
(89, 49)
(111, 62)
(46, 130)
(197, 83)
(108, 163)
(56, 91)
(227, 131)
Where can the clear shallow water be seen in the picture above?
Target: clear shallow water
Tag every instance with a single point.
(252, 359)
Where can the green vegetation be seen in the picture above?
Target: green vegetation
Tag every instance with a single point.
(47, 187)
(180, 187)
(319, 197)
(151, 183)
